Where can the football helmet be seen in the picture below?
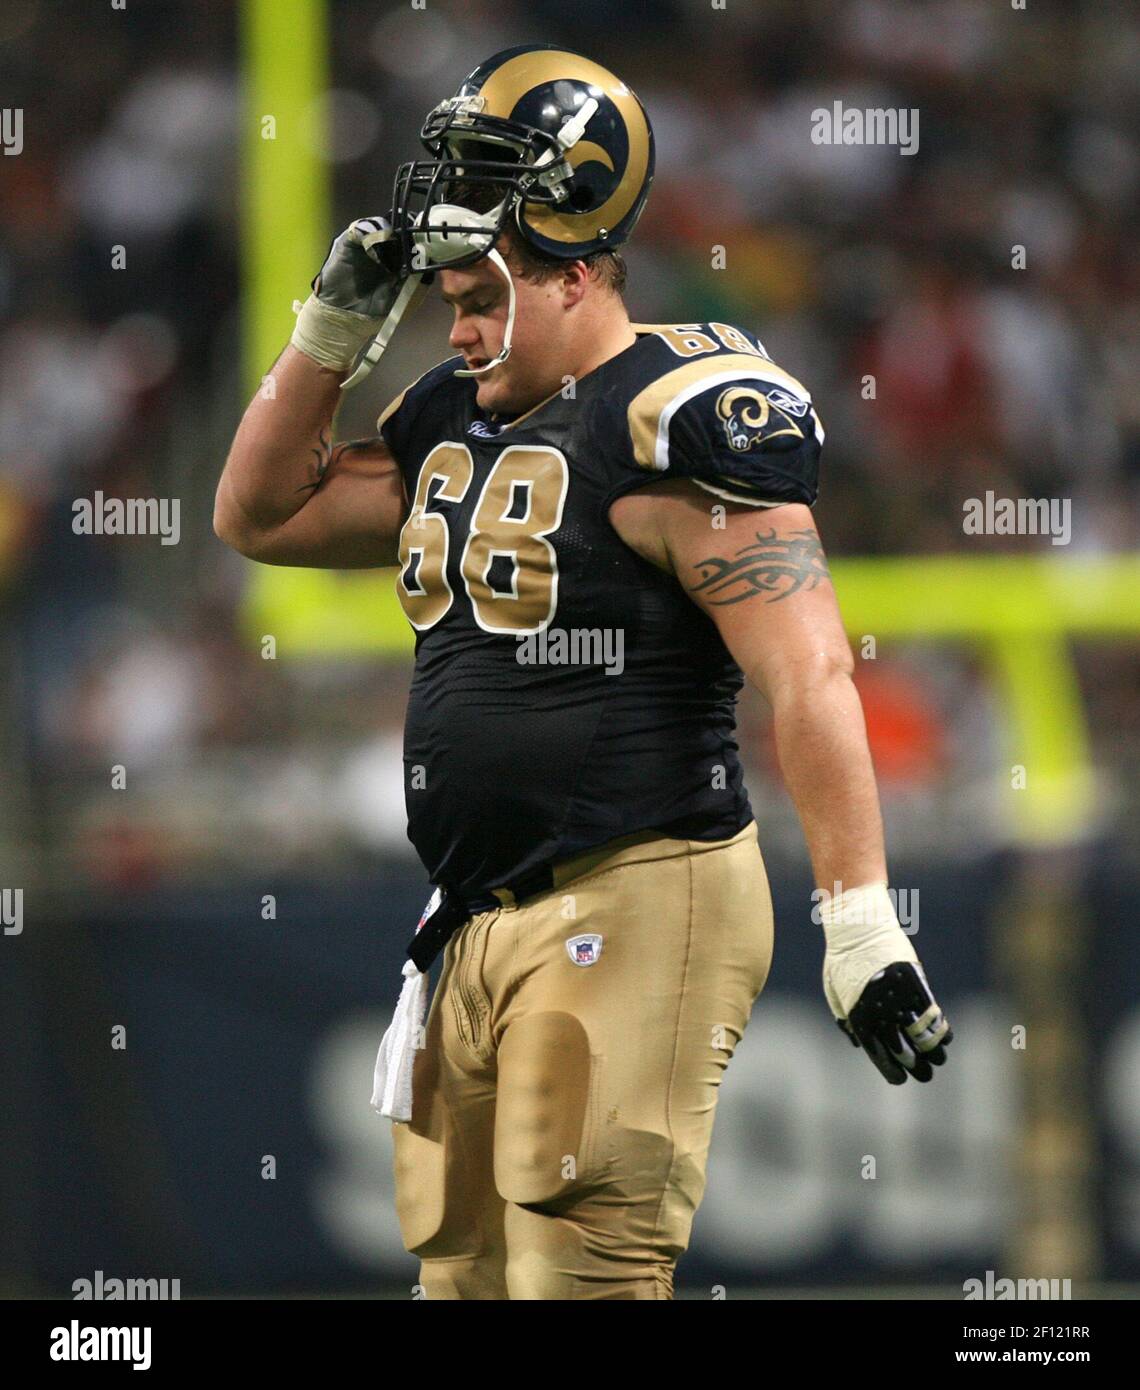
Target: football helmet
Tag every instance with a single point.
(538, 135)
(538, 138)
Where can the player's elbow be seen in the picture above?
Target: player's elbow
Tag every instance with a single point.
(798, 681)
(224, 527)
(232, 528)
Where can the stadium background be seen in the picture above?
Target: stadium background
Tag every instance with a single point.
(250, 1036)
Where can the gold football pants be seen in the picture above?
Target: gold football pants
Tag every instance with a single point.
(562, 1111)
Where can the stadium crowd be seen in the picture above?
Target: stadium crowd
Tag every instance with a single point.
(944, 363)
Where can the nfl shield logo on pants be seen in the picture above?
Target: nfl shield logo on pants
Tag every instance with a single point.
(584, 950)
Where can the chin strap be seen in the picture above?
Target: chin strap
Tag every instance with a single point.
(505, 351)
(411, 296)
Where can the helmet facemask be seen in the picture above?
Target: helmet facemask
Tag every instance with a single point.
(448, 212)
(483, 164)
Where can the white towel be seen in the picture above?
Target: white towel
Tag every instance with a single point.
(392, 1079)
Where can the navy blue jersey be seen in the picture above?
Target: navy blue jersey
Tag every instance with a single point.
(566, 691)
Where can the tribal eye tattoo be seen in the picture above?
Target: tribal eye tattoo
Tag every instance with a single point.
(774, 567)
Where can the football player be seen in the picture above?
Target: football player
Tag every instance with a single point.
(601, 528)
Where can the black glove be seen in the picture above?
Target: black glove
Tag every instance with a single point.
(899, 1025)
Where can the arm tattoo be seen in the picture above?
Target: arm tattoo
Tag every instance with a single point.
(327, 454)
(775, 566)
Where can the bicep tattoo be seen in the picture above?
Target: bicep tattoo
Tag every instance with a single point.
(327, 454)
(773, 567)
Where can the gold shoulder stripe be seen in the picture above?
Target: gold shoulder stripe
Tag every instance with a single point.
(652, 409)
(390, 409)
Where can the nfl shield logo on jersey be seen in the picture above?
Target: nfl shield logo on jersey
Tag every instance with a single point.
(584, 950)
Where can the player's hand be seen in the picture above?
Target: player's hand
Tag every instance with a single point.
(899, 1024)
(361, 272)
(877, 989)
(352, 295)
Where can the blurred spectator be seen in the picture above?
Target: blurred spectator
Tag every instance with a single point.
(855, 264)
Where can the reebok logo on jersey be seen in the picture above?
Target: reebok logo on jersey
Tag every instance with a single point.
(784, 400)
(584, 950)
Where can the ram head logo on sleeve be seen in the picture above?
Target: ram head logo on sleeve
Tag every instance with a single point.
(752, 418)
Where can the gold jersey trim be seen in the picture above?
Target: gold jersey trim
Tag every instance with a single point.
(391, 408)
(651, 410)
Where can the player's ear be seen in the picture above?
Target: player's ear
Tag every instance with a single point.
(575, 278)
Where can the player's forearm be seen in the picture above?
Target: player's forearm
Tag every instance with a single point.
(280, 450)
(821, 742)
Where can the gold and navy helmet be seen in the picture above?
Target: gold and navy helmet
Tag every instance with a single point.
(536, 137)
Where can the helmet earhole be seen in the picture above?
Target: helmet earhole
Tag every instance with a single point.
(581, 199)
